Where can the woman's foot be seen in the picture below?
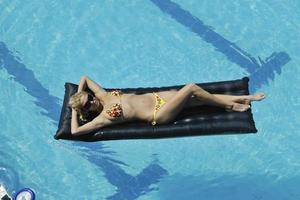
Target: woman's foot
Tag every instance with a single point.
(256, 97)
(237, 107)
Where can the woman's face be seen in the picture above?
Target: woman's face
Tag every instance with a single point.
(89, 102)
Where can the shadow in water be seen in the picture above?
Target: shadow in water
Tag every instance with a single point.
(260, 71)
(229, 187)
(32, 86)
(127, 186)
(266, 72)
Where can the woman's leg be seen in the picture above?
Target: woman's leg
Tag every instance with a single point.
(193, 101)
(170, 110)
(244, 99)
(234, 98)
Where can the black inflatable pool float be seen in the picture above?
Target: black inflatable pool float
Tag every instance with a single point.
(201, 120)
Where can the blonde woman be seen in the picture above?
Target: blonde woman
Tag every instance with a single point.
(114, 107)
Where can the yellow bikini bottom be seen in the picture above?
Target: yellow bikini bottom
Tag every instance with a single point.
(159, 102)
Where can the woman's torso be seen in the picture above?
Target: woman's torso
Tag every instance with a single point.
(134, 107)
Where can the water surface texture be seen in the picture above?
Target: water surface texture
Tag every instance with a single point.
(149, 43)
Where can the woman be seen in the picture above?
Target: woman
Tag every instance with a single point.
(157, 108)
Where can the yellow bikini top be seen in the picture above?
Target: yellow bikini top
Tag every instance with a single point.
(115, 110)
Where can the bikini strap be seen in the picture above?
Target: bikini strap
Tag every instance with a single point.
(116, 92)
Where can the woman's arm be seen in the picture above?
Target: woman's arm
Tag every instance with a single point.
(85, 81)
(96, 123)
(82, 84)
(74, 122)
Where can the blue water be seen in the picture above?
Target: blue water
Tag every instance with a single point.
(144, 44)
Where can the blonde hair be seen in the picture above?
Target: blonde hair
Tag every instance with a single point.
(75, 103)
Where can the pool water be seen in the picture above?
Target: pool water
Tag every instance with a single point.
(145, 44)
